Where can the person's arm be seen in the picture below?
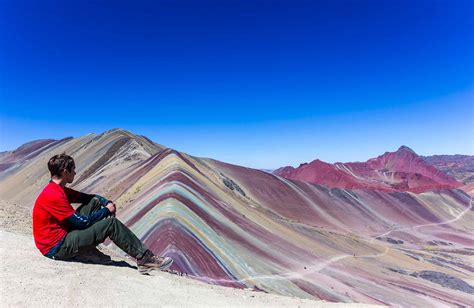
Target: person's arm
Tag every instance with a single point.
(103, 201)
(80, 197)
(75, 196)
(81, 222)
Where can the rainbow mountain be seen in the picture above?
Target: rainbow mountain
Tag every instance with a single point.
(240, 227)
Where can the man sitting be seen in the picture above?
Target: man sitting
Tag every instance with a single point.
(63, 233)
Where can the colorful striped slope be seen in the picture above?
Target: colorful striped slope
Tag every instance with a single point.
(240, 227)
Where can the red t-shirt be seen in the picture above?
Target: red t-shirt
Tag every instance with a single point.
(52, 207)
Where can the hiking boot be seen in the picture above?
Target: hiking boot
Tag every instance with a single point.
(150, 262)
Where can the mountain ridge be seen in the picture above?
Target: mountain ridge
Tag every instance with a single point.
(236, 226)
(402, 170)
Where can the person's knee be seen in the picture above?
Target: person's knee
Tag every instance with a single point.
(113, 225)
(108, 225)
(96, 201)
(113, 221)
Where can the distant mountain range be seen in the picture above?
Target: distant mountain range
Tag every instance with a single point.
(461, 167)
(394, 238)
(402, 170)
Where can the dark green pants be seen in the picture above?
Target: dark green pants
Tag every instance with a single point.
(78, 241)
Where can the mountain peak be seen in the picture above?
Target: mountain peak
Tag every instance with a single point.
(318, 162)
(404, 148)
(118, 130)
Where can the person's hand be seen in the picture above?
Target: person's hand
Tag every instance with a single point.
(112, 208)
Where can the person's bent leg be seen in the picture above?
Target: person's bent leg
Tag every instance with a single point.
(89, 208)
(80, 240)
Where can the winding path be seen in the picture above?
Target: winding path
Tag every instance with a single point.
(322, 265)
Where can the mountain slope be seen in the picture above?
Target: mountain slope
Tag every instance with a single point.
(99, 158)
(25, 152)
(221, 218)
(235, 226)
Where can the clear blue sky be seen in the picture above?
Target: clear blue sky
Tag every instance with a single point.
(256, 83)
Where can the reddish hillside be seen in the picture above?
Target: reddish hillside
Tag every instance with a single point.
(402, 170)
(26, 151)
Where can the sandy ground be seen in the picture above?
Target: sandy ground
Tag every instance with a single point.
(15, 218)
(29, 279)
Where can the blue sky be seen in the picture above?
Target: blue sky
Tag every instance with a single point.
(256, 83)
